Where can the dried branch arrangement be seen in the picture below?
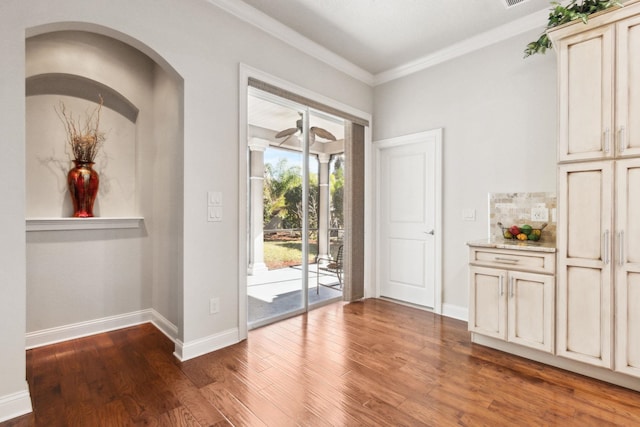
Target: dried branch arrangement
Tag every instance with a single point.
(83, 136)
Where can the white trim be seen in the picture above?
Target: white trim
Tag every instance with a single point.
(455, 312)
(245, 73)
(195, 348)
(94, 223)
(243, 205)
(97, 326)
(280, 31)
(164, 325)
(248, 71)
(15, 404)
(498, 34)
(435, 134)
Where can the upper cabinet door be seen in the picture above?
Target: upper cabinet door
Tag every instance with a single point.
(586, 86)
(628, 87)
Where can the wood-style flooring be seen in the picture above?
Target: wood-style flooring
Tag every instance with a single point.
(371, 363)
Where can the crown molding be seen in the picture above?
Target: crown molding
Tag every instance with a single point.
(252, 16)
(530, 22)
(269, 25)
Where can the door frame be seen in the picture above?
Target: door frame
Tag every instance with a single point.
(246, 72)
(436, 136)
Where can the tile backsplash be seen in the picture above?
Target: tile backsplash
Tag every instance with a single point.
(534, 209)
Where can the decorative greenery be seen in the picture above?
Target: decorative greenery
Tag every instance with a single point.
(84, 137)
(562, 14)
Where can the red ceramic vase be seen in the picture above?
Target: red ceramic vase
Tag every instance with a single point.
(83, 187)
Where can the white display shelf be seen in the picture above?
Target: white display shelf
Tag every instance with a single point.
(95, 223)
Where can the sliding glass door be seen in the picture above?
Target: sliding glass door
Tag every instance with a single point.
(291, 149)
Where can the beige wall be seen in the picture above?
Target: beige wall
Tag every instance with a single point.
(79, 276)
(498, 115)
(205, 47)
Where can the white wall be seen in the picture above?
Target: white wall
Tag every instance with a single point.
(205, 46)
(162, 198)
(79, 276)
(498, 114)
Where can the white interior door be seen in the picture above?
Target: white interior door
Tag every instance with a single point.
(409, 198)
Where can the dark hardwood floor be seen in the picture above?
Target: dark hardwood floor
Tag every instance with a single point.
(368, 363)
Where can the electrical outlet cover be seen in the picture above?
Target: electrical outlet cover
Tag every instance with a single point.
(539, 214)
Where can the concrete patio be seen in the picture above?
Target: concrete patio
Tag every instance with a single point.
(276, 292)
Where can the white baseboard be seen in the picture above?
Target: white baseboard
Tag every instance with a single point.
(15, 404)
(183, 351)
(455, 311)
(195, 348)
(97, 326)
(166, 327)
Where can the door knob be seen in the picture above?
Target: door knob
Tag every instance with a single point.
(432, 232)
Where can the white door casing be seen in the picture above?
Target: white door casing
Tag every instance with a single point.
(408, 217)
(245, 73)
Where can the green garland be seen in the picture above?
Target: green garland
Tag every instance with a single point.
(561, 15)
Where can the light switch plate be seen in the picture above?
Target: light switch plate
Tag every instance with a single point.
(469, 214)
(214, 214)
(214, 198)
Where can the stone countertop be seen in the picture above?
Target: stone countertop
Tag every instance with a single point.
(515, 245)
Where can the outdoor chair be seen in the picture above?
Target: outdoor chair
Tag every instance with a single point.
(334, 266)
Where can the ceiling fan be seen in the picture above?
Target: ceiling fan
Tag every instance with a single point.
(314, 131)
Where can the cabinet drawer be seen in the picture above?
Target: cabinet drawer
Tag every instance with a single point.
(538, 262)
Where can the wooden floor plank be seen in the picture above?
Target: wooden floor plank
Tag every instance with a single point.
(370, 363)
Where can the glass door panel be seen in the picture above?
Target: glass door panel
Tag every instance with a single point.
(276, 273)
(326, 142)
(295, 193)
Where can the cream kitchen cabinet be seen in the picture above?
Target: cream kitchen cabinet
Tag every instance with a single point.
(511, 295)
(584, 234)
(627, 267)
(599, 264)
(598, 280)
(598, 90)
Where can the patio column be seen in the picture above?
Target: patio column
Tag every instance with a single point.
(323, 215)
(257, 147)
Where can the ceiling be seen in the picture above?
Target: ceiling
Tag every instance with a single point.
(378, 40)
(381, 35)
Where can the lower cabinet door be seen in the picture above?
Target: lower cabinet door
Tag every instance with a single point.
(628, 322)
(487, 302)
(627, 267)
(531, 310)
(584, 306)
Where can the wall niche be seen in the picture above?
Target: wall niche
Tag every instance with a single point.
(75, 68)
(116, 270)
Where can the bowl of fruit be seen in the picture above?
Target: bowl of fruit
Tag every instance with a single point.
(522, 232)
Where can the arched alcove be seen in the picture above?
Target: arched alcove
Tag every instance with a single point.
(83, 280)
(81, 87)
